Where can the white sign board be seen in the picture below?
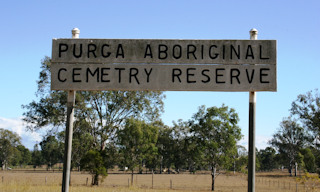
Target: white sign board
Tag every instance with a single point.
(166, 65)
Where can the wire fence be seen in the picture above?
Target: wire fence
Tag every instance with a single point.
(191, 182)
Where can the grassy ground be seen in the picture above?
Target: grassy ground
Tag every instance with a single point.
(31, 181)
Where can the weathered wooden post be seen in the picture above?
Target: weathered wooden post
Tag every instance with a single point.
(152, 178)
(252, 131)
(69, 131)
(128, 183)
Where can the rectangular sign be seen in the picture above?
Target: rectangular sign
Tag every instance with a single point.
(156, 51)
(163, 77)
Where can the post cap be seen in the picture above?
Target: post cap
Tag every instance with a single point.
(75, 32)
(253, 34)
(254, 31)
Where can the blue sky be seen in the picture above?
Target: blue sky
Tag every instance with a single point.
(28, 28)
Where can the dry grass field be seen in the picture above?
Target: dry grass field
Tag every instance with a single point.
(30, 181)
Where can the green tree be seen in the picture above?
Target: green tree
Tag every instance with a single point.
(165, 147)
(171, 146)
(307, 108)
(22, 156)
(267, 159)
(309, 160)
(51, 151)
(82, 142)
(178, 148)
(182, 145)
(289, 140)
(137, 142)
(36, 157)
(93, 161)
(240, 159)
(8, 143)
(217, 132)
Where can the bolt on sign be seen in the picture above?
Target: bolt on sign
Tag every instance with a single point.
(164, 65)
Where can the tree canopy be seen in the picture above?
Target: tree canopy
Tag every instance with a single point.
(9, 141)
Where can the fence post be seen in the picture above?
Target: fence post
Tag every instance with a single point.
(87, 181)
(269, 183)
(46, 180)
(152, 179)
(289, 185)
(170, 184)
(136, 179)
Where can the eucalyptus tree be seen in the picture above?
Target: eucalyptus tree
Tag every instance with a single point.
(51, 151)
(36, 157)
(217, 133)
(9, 141)
(307, 108)
(137, 143)
(289, 140)
(267, 159)
(309, 160)
(22, 156)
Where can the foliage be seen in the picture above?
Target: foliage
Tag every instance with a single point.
(22, 156)
(289, 140)
(37, 158)
(51, 151)
(137, 143)
(176, 148)
(217, 133)
(309, 181)
(93, 161)
(241, 160)
(307, 108)
(267, 159)
(309, 160)
(8, 146)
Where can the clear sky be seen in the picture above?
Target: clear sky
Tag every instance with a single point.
(28, 27)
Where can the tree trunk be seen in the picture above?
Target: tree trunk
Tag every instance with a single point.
(131, 177)
(290, 169)
(95, 179)
(103, 145)
(161, 165)
(3, 165)
(213, 174)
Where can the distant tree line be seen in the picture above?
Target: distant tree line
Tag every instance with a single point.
(124, 129)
